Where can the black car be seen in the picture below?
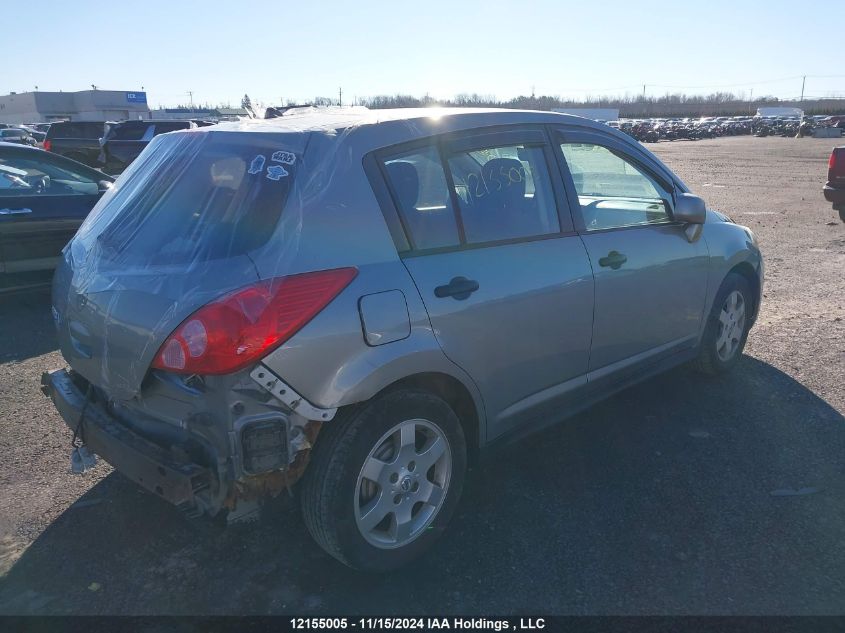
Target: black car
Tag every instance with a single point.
(16, 135)
(77, 140)
(43, 200)
(124, 141)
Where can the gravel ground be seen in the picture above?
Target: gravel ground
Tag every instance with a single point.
(680, 496)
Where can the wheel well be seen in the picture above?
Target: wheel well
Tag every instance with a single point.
(747, 270)
(455, 394)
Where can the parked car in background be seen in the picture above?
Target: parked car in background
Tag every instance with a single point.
(43, 200)
(124, 141)
(77, 140)
(834, 190)
(39, 137)
(361, 301)
(836, 120)
(17, 135)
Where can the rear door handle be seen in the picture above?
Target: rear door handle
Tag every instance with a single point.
(459, 288)
(614, 259)
(14, 211)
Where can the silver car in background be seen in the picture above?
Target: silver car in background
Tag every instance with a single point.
(351, 304)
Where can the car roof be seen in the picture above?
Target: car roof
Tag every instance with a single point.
(17, 147)
(76, 123)
(336, 118)
(378, 129)
(21, 148)
(148, 121)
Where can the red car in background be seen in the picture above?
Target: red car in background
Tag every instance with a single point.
(834, 190)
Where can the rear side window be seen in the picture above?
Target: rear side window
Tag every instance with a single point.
(21, 176)
(80, 129)
(502, 193)
(195, 197)
(420, 192)
(131, 132)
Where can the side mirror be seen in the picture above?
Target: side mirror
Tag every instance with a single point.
(104, 185)
(690, 209)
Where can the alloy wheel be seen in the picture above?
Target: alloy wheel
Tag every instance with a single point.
(731, 326)
(403, 483)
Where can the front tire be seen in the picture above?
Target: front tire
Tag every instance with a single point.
(384, 480)
(727, 327)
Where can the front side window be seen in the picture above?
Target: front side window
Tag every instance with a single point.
(27, 177)
(612, 191)
(504, 193)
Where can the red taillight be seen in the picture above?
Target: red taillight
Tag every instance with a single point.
(48, 145)
(236, 330)
(836, 165)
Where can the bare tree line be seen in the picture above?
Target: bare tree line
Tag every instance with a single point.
(630, 106)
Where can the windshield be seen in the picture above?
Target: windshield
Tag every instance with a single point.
(195, 197)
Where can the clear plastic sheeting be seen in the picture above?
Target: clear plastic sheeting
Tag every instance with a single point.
(181, 227)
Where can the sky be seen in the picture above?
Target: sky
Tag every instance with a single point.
(297, 50)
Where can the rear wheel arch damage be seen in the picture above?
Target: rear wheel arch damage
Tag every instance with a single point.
(444, 386)
(456, 395)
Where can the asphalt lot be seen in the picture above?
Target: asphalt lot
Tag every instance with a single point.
(683, 495)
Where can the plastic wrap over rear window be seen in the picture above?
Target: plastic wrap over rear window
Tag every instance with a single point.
(194, 197)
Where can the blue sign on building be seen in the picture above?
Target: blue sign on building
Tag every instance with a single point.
(136, 97)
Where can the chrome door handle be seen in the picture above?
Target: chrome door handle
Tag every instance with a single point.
(14, 211)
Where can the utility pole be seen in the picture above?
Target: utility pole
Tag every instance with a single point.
(340, 96)
(191, 97)
(751, 101)
(803, 81)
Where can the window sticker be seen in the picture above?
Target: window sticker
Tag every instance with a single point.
(288, 158)
(276, 172)
(257, 165)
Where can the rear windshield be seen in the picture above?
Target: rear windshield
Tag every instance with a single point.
(194, 197)
(77, 129)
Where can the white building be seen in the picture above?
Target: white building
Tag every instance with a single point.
(84, 105)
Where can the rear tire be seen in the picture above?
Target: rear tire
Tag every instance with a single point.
(842, 213)
(373, 461)
(727, 326)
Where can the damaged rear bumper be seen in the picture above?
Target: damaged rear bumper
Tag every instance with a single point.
(146, 463)
(217, 445)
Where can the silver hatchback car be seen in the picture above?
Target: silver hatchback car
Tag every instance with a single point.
(350, 304)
